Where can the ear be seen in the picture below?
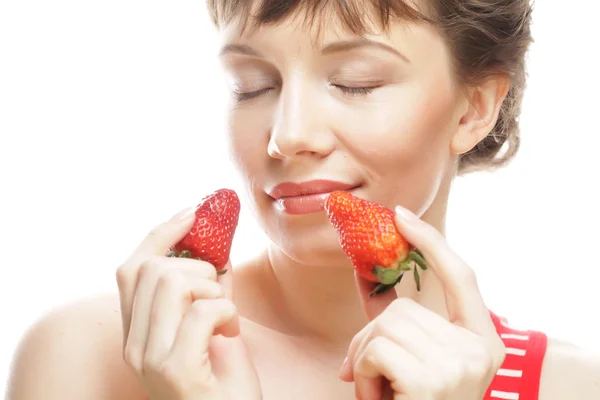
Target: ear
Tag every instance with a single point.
(481, 113)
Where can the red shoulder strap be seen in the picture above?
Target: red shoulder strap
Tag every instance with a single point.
(519, 376)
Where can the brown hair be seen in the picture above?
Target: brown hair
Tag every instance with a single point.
(486, 38)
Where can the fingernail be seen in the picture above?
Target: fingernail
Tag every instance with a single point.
(406, 214)
(183, 214)
(343, 368)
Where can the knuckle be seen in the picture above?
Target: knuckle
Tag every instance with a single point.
(132, 355)
(440, 388)
(170, 280)
(375, 347)
(481, 362)
(205, 269)
(373, 352)
(379, 326)
(150, 267)
(402, 304)
(150, 364)
(211, 271)
(212, 308)
(171, 375)
(500, 353)
(498, 345)
(228, 306)
(199, 308)
(212, 289)
(122, 275)
(456, 369)
(468, 275)
(483, 351)
(382, 326)
(195, 268)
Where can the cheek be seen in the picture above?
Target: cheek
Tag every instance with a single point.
(248, 131)
(247, 140)
(402, 139)
(404, 118)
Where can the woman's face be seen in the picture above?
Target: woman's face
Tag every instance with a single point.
(378, 115)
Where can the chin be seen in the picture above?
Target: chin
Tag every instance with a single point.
(310, 240)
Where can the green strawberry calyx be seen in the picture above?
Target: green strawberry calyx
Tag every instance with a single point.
(389, 277)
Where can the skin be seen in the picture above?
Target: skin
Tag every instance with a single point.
(299, 300)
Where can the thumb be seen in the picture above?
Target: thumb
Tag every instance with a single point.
(157, 242)
(373, 305)
(161, 237)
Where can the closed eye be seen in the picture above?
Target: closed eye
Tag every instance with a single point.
(241, 96)
(355, 91)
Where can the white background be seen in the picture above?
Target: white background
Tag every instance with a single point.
(110, 121)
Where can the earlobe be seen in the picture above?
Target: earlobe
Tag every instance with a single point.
(484, 103)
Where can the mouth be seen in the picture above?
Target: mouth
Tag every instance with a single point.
(306, 197)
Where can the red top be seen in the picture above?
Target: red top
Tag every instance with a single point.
(519, 376)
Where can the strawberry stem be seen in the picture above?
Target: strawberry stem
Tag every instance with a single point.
(387, 276)
(417, 257)
(185, 254)
(382, 287)
(417, 278)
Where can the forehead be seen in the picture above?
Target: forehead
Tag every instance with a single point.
(315, 17)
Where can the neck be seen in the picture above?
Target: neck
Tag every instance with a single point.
(311, 307)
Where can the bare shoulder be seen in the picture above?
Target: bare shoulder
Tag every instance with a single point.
(74, 352)
(569, 372)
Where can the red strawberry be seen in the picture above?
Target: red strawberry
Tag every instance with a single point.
(368, 235)
(211, 235)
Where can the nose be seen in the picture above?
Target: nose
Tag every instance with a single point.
(301, 126)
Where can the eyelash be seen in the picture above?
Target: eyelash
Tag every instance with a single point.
(351, 91)
(355, 91)
(242, 96)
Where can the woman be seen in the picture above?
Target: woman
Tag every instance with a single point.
(387, 100)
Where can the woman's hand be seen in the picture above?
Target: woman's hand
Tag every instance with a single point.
(422, 355)
(172, 311)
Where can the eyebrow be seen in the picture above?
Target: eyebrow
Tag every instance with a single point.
(331, 48)
(360, 43)
(239, 49)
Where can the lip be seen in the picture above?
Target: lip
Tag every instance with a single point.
(318, 186)
(306, 197)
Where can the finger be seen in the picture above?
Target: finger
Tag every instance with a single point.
(174, 294)
(231, 362)
(232, 327)
(226, 280)
(409, 325)
(408, 315)
(346, 371)
(408, 335)
(196, 330)
(384, 358)
(369, 388)
(463, 299)
(157, 242)
(150, 272)
(374, 305)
